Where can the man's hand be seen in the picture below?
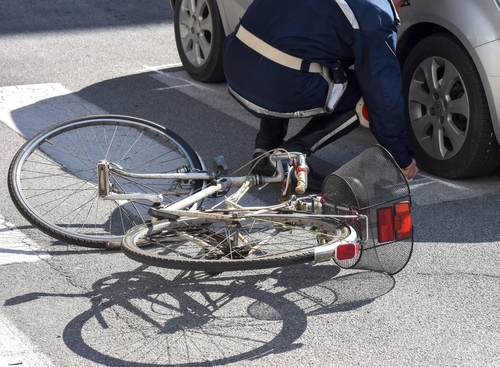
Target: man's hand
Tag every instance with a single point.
(411, 171)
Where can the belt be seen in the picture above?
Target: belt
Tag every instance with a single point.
(280, 57)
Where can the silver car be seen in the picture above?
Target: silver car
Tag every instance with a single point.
(450, 56)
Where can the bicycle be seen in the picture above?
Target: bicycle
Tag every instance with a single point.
(109, 192)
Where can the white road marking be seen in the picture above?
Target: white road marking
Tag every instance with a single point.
(17, 350)
(159, 67)
(28, 109)
(414, 185)
(218, 97)
(181, 78)
(444, 182)
(185, 82)
(15, 247)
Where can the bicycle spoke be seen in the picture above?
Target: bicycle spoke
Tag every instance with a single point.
(211, 245)
(53, 178)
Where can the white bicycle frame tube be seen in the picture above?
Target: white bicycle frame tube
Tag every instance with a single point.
(104, 167)
(178, 208)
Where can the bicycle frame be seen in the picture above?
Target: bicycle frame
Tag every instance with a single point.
(104, 168)
(244, 183)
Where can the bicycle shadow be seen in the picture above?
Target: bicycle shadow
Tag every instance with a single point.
(141, 318)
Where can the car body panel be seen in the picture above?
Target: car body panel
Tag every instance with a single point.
(231, 12)
(474, 23)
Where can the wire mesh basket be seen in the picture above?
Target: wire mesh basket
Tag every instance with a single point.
(365, 185)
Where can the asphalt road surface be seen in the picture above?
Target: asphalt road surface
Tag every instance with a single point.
(67, 306)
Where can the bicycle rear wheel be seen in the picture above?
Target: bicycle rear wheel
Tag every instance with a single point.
(53, 177)
(210, 245)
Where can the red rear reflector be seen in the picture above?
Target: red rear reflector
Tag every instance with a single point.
(385, 225)
(346, 251)
(402, 221)
(394, 223)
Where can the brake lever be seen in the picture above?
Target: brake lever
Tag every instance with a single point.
(285, 184)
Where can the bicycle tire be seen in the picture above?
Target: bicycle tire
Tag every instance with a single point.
(52, 178)
(204, 244)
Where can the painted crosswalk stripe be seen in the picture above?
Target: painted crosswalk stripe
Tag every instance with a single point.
(15, 247)
(28, 109)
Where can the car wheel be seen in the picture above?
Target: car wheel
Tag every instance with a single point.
(448, 122)
(199, 34)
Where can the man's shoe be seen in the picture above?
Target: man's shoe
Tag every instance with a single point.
(315, 181)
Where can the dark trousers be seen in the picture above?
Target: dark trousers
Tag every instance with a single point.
(319, 131)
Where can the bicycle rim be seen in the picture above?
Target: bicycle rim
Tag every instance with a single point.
(53, 177)
(240, 244)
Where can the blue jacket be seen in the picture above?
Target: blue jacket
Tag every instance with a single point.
(358, 32)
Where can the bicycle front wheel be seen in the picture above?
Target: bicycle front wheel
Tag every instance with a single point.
(204, 244)
(53, 177)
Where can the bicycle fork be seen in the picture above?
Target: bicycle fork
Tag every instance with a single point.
(103, 187)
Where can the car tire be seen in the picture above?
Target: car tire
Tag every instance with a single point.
(447, 117)
(199, 35)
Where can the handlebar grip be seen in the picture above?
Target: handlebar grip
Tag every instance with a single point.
(301, 182)
(301, 172)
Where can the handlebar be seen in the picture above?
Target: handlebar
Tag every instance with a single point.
(298, 161)
(294, 161)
